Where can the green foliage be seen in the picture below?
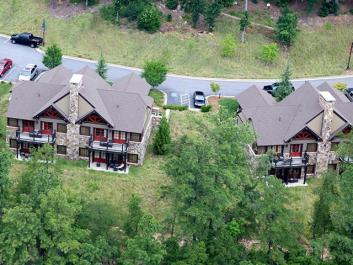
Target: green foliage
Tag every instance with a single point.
(108, 13)
(158, 97)
(196, 8)
(215, 87)
(169, 17)
(102, 68)
(5, 164)
(328, 25)
(162, 138)
(227, 46)
(206, 108)
(212, 12)
(328, 7)
(52, 56)
(244, 21)
(287, 27)
(269, 52)
(133, 9)
(230, 104)
(285, 86)
(171, 4)
(149, 19)
(88, 2)
(135, 214)
(175, 107)
(155, 72)
(351, 11)
(340, 86)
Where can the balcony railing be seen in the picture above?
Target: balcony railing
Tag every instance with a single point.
(108, 145)
(36, 136)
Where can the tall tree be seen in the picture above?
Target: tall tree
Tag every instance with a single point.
(244, 21)
(102, 68)
(52, 56)
(196, 7)
(213, 10)
(162, 138)
(155, 72)
(287, 27)
(135, 214)
(5, 164)
(285, 86)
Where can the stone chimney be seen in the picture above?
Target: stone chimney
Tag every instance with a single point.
(327, 102)
(73, 129)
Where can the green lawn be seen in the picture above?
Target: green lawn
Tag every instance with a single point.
(317, 51)
(158, 97)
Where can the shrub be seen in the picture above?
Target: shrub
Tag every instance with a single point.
(52, 56)
(269, 53)
(132, 10)
(149, 19)
(154, 72)
(108, 13)
(328, 25)
(230, 104)
(351, 11)
(330, 7)
(162, 138)
(287, 27)
(228, 46)
(340, 86)
(169, 17)
(206, 108)
(172, 4)
(175, 107)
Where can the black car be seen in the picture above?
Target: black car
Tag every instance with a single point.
(349, 93)
(272, 88)
(199, 99)
(26, 39)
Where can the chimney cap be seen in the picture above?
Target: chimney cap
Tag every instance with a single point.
(327, 96)
(76, 79)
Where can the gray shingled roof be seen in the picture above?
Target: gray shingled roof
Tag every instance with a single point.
(277, 122)
(133, 101)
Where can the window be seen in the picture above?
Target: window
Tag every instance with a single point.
(12, 122)
(84, 130)
(334, 146)
(99, 134)
(132, 158)
(311, 147)
(61, 149)
(13, 143)
(47, 128)
(135, 137)
(332, 167)
(278, 149)
(261, 150)
(296, 149)
(310, 169)
(83, 152)
(27, 126)
(61, 128)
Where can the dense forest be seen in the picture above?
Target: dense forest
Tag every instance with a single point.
(219, 212)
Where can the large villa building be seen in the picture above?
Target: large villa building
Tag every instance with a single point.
(303, 130)
(82, 117)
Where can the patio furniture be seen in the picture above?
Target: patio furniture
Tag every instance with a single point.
(98, 164)
(121, 166)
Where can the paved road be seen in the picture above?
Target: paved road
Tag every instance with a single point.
(177, 87)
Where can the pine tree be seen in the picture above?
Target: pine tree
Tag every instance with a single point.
(162, 138)
(285, 86)
(102, 67)
(52, 56)
(5, 163)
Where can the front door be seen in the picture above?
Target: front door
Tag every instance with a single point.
(296, 150)
(47, 128)
(99, 134)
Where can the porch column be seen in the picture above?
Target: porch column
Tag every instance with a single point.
(107, 160)
(89, 158)
(305, 170)
(17, 145)
(125, 162)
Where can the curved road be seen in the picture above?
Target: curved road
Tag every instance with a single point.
(175, 86)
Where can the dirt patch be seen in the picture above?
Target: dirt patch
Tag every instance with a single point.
(321, 21)
(64, 9)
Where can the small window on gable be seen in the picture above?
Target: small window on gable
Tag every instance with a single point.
(12, 122)
(312, 147)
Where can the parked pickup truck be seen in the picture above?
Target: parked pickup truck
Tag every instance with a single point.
(26, 39)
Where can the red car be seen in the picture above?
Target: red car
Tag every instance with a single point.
(5, 65)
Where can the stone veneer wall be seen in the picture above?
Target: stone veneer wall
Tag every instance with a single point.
(140, 148)
(324, 147)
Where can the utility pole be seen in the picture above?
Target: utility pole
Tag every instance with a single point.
(349, 57)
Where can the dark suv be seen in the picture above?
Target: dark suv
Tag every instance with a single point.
(199, 99)
(272, 88)
(26, 39)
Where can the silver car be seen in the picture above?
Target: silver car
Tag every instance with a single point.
(28, 73)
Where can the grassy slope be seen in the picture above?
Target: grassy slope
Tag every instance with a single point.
(317, 52)
(157, 96)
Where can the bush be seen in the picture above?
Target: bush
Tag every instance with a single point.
(175, 107)
(149, 19)
(230, 104)
(206, 108)
(351, 11)
(133, 9)
(107, 12)
(269, 53)
(340, 86)
(172, 4)
(52, 56)
(169, 17)
(162, 138)
(328, 25)
(228, 46)
(327, 8)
